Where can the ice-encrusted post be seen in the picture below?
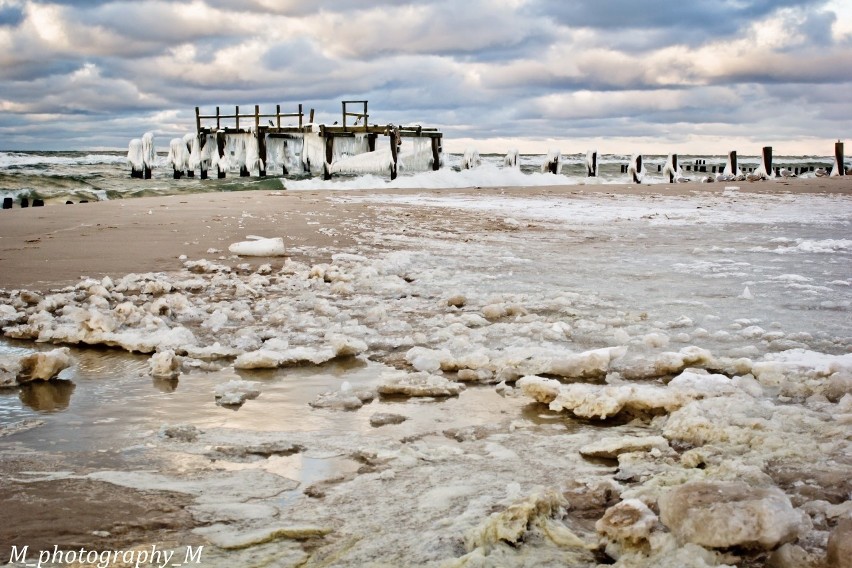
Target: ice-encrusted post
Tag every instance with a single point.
(635, 169)
(436, 153)
(261, 142)
(202, 141)
(395, 141)
(731, 167)
(671, 168)
(220, 149)
(190, 140)
(149, 154)
(511, 159)
(134, 156)
(329, 156)
(839, 168)
(592, 163)
(551, 162)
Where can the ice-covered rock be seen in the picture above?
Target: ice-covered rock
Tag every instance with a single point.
(419, 384)
(45, 365)
(236, 392)
(726, 514)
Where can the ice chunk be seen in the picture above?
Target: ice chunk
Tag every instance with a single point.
(726, 514)
(419, 384)
(346, 398)
(385, 418)
(259, 247)
(628, 523)
(164, 365)
(236, 392)
(45, 365)
(612, 447)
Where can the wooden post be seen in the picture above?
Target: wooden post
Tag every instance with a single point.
(197, 120)
(393, 134)
(436, 153)
(301, 114)
(838, 156)
(371, 141)
(329, 156)
(202, 140)
(218, 124)
(767, 159)
(237, 114)
(638, 169)
(592, 171)
(733, 156)
(310, 118)
(220, 148)
(7, 203)
(261, 141)
(278, 116)
(674, 168)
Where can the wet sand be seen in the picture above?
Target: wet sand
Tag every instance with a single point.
(42, 248)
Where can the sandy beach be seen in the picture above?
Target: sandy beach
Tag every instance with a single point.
(56, 245)
(654, 375)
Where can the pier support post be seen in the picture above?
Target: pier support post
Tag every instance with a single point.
(395, 141)
(637, 170)
(220, 148)
(259, 132)
(329, 156)
(838, 157)
(732, 158)
(436, 153)
(7, 203)
(674, 168)
(261, 150)
(371, 142)
(592, 169)
(202, 140)
(767, 160)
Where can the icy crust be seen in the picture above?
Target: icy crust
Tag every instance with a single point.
(605, 401)
(770, 419)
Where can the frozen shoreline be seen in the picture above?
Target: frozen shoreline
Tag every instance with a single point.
(719, 352)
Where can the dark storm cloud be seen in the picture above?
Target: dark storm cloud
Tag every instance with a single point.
(693, 16)
(11, 15)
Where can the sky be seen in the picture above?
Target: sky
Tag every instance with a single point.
(621, 76)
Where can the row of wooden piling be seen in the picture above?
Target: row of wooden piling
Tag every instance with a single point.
(9, 203)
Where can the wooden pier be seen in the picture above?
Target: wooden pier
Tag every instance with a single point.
(292, 128)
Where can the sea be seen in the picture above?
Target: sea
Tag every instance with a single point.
(59, 177)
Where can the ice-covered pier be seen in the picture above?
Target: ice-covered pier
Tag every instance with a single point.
(256, 143)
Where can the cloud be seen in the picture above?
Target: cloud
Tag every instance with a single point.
(482, 69)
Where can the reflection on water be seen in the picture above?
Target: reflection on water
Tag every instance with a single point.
(165, 385)
(47, 396)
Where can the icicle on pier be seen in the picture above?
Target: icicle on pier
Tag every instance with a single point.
(288, 145)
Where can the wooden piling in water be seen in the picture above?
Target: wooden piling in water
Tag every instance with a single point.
(637, 170)
(674, 168)
(259, 132)
(592, 170)
(436, 153)
(329, 156)
(838, 156)
(733, 157)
